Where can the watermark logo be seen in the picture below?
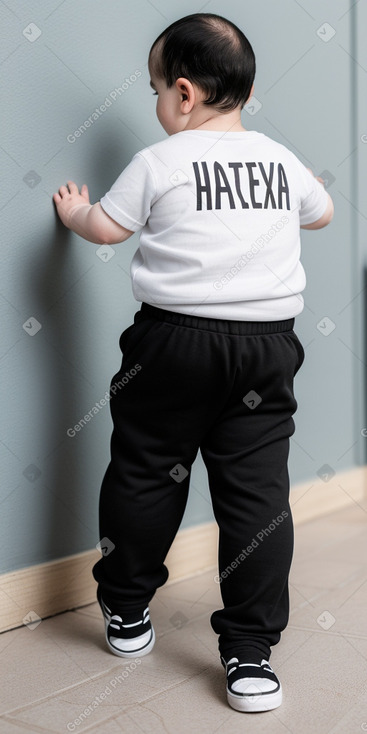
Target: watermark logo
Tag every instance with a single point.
(32, 179)
(31, 32)
(105, 546)
(32, 472)
(327, 178)
(253, 106)
(252, 399)
(32, 620)
(32, 326)
(105, 252)
(326, 620)
(178, 178)
(326, 32)
(326, 326)
(178, 473)
(326, 472)
(178, 620)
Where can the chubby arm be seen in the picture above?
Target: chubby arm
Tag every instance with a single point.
(113, 232)
(87, 220)
(328, 213)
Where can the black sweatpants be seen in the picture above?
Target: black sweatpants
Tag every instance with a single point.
(226, 387)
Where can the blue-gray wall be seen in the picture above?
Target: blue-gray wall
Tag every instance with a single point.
(59, 62)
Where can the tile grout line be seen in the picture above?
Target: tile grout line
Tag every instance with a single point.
(328, 632)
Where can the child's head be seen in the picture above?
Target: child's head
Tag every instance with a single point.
(200, 63)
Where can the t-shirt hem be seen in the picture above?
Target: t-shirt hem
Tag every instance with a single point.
(264, 310)
(119, 216)
(236, 314)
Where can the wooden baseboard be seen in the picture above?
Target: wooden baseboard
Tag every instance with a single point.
(58, 586)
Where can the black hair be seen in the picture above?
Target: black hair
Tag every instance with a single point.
(209, 51)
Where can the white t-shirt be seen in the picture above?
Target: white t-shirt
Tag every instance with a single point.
(219, 214)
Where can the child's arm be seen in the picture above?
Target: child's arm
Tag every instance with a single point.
(87, 220)
(326, 217)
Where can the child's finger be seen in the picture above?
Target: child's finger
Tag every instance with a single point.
(73, 187)
(63, 191)
(84, 192)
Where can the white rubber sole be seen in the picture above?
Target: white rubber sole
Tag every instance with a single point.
(262, 702)
(138, 653)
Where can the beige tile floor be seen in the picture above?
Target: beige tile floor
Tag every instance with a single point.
(52, 673)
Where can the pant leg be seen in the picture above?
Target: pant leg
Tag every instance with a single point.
(246, 455)
(159, 417)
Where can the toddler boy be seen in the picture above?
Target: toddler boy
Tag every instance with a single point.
(210, 359)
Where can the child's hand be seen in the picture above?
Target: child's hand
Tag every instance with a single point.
(317, 177)
(69, 200)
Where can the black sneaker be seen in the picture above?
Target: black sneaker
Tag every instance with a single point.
(128, 635)
(251, 686)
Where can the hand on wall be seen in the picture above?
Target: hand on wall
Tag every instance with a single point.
(67, 200)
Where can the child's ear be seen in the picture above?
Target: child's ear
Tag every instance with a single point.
(185, 88)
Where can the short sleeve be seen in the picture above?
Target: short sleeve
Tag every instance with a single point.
(313, 196)
(129, 199)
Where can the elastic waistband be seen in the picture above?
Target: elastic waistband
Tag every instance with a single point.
(220, 325)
